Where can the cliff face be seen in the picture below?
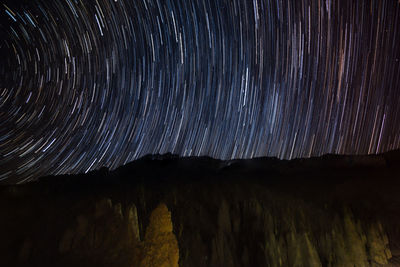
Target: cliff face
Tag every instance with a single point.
(167, 211)
(276, 230)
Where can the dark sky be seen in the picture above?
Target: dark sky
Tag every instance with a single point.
(86, 84)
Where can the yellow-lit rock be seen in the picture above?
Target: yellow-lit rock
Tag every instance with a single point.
(160, 247)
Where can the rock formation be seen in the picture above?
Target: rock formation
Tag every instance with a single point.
(160, 247)
(328, 211)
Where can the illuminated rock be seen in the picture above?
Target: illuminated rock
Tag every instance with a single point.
(160, 247)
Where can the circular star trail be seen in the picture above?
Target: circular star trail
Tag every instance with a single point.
(86, 84)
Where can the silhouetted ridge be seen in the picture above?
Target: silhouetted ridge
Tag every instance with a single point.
(161, 166)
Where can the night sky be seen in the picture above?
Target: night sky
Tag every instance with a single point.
(86, 84)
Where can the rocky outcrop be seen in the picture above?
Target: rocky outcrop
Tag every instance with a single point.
(104, 234)
(113, 240)
(285, 233)
(270, 231)
(199, 212)
(100, 233)
(160, 247)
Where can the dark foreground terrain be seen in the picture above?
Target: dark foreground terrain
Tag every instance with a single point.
(170, 211)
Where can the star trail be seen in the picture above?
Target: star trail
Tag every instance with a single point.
(86, 84)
